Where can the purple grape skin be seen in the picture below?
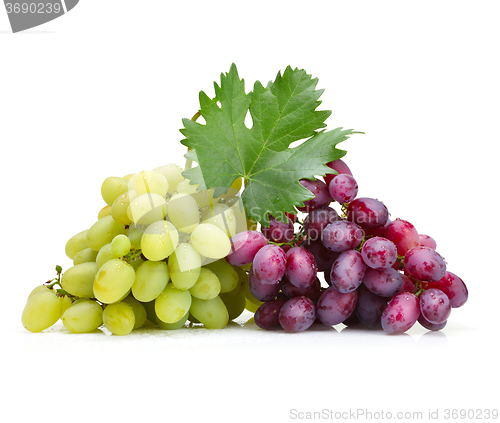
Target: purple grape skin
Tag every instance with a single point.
(269, 264)
(408, 285)
(368, 213)
(245, 246)
(340, 167)
(453, 287)
(312, 292)
(301, 268)
(435, 305)
(401, 313)
(379, 253)
(297, 314)
(348, 271)
(383, 282)
(342, 236)
(278, 231)
(321, 195)
(317, 220)
(267, 315)
(424, 264)
(369, 308)
(343, 188)
(334, 307)
(323, 257)
(427, 241)
(403, 234)
(262, 291)
(431, 326)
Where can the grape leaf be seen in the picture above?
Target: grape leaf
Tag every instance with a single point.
(282, 112)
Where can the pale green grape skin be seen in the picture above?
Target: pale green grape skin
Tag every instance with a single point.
(120, 207)
(225, 272)
(65, 303)
(222, 216)
(119, 318)
(159, 240)
(40, 288)
(103, 231)
(207, 286)
(135, 237)
(79, 280)
(184, 265)
(149, 181)
(183, 212)
(235, 303)
(172, 326)
(172, 304)
(239, 215)
(112, 188)
(151, 278)
(147, 208)
(121, 245)
(42, 311)
(139, 311)
(83, 317)
(173, 174)
(76, 244)
(84, 256)
(210, 241)
(212, 313)
(136, 262)
(185, 187)
(113, 281)
(150, 311)
(104, 255)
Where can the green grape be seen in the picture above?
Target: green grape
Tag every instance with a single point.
(210, 241)
(222, 216)
(76, 244)
(183, 212)
(173, 173)
(42, 310)
(235, 303)
(151, 278)
(120, 207)
(225, 272)
(150, 311)
(186, 188)
(240, 216)
(252, 303)
(242, 280)
(104, 255)
(193, 319)
(159, 240)
(149, 181)
(113, 281)
(184, 265)
(135, 237)
(79, 280)
(172, 304)
(172, 326)
(120, 245)
(136, 262)
(207, 286)
(84, 256)
(105, 211)
(112, 188)
(204, 198)
(147, 208)
(40, 288)
(103, 231)
(139, 311)
(119, 318)
(83, 317)
(212, 313)
(65, 303)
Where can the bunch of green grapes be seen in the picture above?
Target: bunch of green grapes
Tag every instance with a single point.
(155, 256)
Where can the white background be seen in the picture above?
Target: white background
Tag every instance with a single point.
(101, 92)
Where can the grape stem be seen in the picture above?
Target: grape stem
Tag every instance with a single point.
(132, 255)
(57, 280)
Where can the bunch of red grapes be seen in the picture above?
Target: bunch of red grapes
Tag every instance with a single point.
(381, 273)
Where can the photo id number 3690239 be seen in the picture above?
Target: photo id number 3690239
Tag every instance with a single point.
(33, 8)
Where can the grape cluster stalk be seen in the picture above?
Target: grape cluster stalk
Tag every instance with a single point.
(379, 273)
